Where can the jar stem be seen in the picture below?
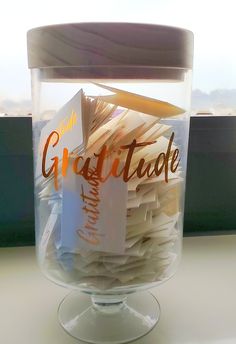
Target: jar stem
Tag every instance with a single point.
(108, 303)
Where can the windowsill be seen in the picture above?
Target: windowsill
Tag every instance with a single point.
(198, 303)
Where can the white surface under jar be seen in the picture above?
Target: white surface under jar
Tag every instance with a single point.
(111, 123)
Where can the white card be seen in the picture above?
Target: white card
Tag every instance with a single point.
(93, 214)
(68, 123)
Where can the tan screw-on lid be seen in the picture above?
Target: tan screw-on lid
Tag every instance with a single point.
(107, 49)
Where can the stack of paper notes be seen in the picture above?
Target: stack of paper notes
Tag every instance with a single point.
(109, 189)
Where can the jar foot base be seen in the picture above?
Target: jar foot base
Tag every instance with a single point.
(103, 320)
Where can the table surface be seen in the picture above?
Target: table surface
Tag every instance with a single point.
(198, 304)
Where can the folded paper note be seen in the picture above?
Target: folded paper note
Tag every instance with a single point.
(140, 103)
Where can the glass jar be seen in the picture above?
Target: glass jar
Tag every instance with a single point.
(110, 127)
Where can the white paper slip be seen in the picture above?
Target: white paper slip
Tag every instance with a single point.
(93, 214)
(48, 230)
(70, 124)
(134, 202)
(137, 215)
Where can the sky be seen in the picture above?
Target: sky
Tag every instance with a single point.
(212, 22)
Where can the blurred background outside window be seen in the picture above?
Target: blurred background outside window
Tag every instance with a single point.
(213, 24)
